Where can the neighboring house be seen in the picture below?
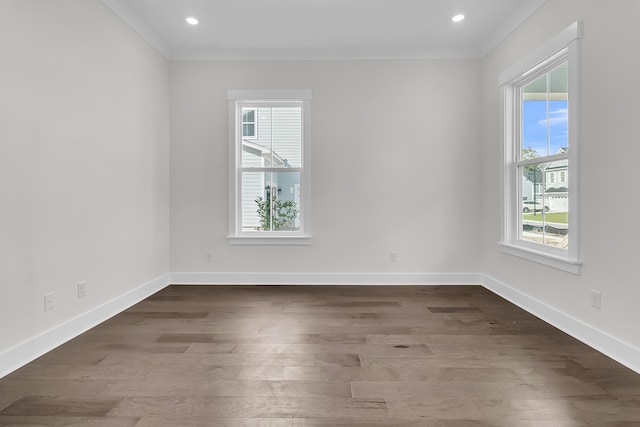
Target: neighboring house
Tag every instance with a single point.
(532, 185)
(272, 138)
(552, 191)
(556, 185)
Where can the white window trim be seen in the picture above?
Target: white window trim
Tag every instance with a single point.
(255, 124)
(236, 235)
(566, 260)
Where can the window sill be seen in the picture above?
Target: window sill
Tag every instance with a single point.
(560, 263)
(302, 240)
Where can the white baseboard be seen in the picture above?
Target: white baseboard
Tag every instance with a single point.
(23, 353)
(34, 347)
(187, 278)
(605, 343)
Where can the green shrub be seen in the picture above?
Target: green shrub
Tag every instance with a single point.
(284, 212)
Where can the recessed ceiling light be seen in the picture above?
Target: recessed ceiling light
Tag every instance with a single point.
(458, 18)
(191, 20)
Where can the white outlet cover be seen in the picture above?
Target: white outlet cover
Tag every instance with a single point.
(596, 300)
(82, 289)
(48, 302)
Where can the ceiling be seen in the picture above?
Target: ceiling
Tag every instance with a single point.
(323, 29)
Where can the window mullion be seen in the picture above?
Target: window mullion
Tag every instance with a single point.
(271, 191)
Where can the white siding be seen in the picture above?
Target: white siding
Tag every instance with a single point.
(280, 130)
(252, 188)
(287, 134)
(264, 128)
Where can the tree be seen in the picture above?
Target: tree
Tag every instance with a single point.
(532, 172)
(276, 214)
(529, 153)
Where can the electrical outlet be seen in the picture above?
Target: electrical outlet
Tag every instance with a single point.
(48, 302)
(82, 289)
(393, 256)
(208, 256)
(596, 300)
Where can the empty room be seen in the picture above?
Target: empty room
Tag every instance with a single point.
(277, 213)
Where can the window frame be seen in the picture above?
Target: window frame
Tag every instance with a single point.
(564, 47)
(236, 99)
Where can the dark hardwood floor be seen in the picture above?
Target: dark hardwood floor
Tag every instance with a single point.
(399, 356)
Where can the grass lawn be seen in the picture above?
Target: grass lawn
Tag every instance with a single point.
(560, 217)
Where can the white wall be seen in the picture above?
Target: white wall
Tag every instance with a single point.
(84, 163)
(395, 148)
(609, 153)
(406, 157)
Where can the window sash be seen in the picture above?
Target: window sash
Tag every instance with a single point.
(302, 214)
(299, 221)
(544, 199)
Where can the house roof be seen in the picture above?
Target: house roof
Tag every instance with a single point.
(556, 190)
(557, 165)
(265, 152)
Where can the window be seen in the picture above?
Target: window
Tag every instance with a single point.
(269, 169)
(540, 135)
(249, 123)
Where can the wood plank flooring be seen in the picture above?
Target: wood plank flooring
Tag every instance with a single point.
(293, 356)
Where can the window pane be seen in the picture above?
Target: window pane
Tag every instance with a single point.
(558, 109)
(286, 134)
(258, 150)
(545, 204)
(248, 115)
(253, 184)
(279, 142)
(544, 121)
(248, 130)
(534, 115)
(270, 201)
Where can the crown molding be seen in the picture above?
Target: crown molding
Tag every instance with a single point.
(120, 8)
(322, 54)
